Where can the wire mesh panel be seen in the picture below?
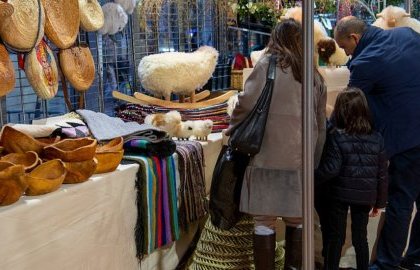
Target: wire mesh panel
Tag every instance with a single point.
(168, 25)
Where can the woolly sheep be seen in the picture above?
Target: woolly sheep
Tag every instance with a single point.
(115, 19)
(177, 72)
(202, 129)
(325, 47)
(127, 5)
(392, 16)
(184, 130)
(167, 122)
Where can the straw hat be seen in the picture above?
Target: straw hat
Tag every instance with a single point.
(62, 21)
(12, 182)
(25, 27)
(45, 178)
(78, 66)
(71, 150)
(41, 70)
(91, 15)
(7, 71)
(6, 10)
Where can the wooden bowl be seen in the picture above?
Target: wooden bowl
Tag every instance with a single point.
(78, 172)
(71, 150)
(15, 141)
(108, 161)
(29, 160)
(12, 182)
(46, 178)
(114, 145)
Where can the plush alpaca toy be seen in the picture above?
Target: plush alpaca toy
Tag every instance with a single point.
(391, 17)
(184, 130)
(177, 72)
(202, 129)
(168, 122)
(115, 19)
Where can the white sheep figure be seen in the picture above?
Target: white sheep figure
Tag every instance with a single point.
(177, 72)
(392, 16)
(325, 47)
(184, 130)
(202, 129)
(115, 19)
(127, 5)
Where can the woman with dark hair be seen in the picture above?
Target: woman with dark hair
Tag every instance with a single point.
(272, 185)
(354, 166)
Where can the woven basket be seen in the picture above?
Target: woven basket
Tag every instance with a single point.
(78, 67)
(62, 21)
(24, 29)
(6, 10)
(91, 15)
(7, 72)
(41, 70)
(236, 79)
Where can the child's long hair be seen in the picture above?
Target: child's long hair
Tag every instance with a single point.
(352, 112)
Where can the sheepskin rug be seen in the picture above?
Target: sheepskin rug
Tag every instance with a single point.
(115, 19)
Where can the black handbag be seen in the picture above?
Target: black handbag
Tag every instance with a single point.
(247, 137)
(228, 174)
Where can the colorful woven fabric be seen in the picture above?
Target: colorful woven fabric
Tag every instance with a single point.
(217, 113)
(157, 222)
(192, 190)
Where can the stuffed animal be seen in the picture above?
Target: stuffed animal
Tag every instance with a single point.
(184, 130)
(128, 5)
(168, 122)
(115, 19)
(391, 17)
(325, 47)
(177, 72)
(202, 129)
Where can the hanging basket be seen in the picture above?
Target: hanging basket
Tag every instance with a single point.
(91, 15)
(78, 67)
(41, 70)
(7, 72)
(24, 29)
(62, 21)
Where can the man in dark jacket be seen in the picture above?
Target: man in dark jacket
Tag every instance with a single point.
(385, 64)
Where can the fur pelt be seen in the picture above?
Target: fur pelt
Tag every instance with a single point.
(337, 57)
(127, 5)
(202, 129)
(115, 19)
(177, 72)
(392, 16)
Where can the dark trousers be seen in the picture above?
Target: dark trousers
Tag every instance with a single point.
(322, 204)
(403, 192)
(337, 234)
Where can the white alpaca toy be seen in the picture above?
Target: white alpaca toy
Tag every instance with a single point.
(177, 72)
(392, 16)
(202, 129)
(325, 47)
(128, 5)
(184, 130)
(167, 122)
(115, 19)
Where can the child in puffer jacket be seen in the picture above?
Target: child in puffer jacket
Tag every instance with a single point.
(354, 167)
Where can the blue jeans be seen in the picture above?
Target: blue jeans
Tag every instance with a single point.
(403, 192)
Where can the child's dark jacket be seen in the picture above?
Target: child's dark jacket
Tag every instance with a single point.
(356, 168)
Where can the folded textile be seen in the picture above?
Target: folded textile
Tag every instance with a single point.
(160, 149)
(104, 127)
(36, 131)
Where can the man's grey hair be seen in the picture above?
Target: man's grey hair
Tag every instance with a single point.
(350, 25)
